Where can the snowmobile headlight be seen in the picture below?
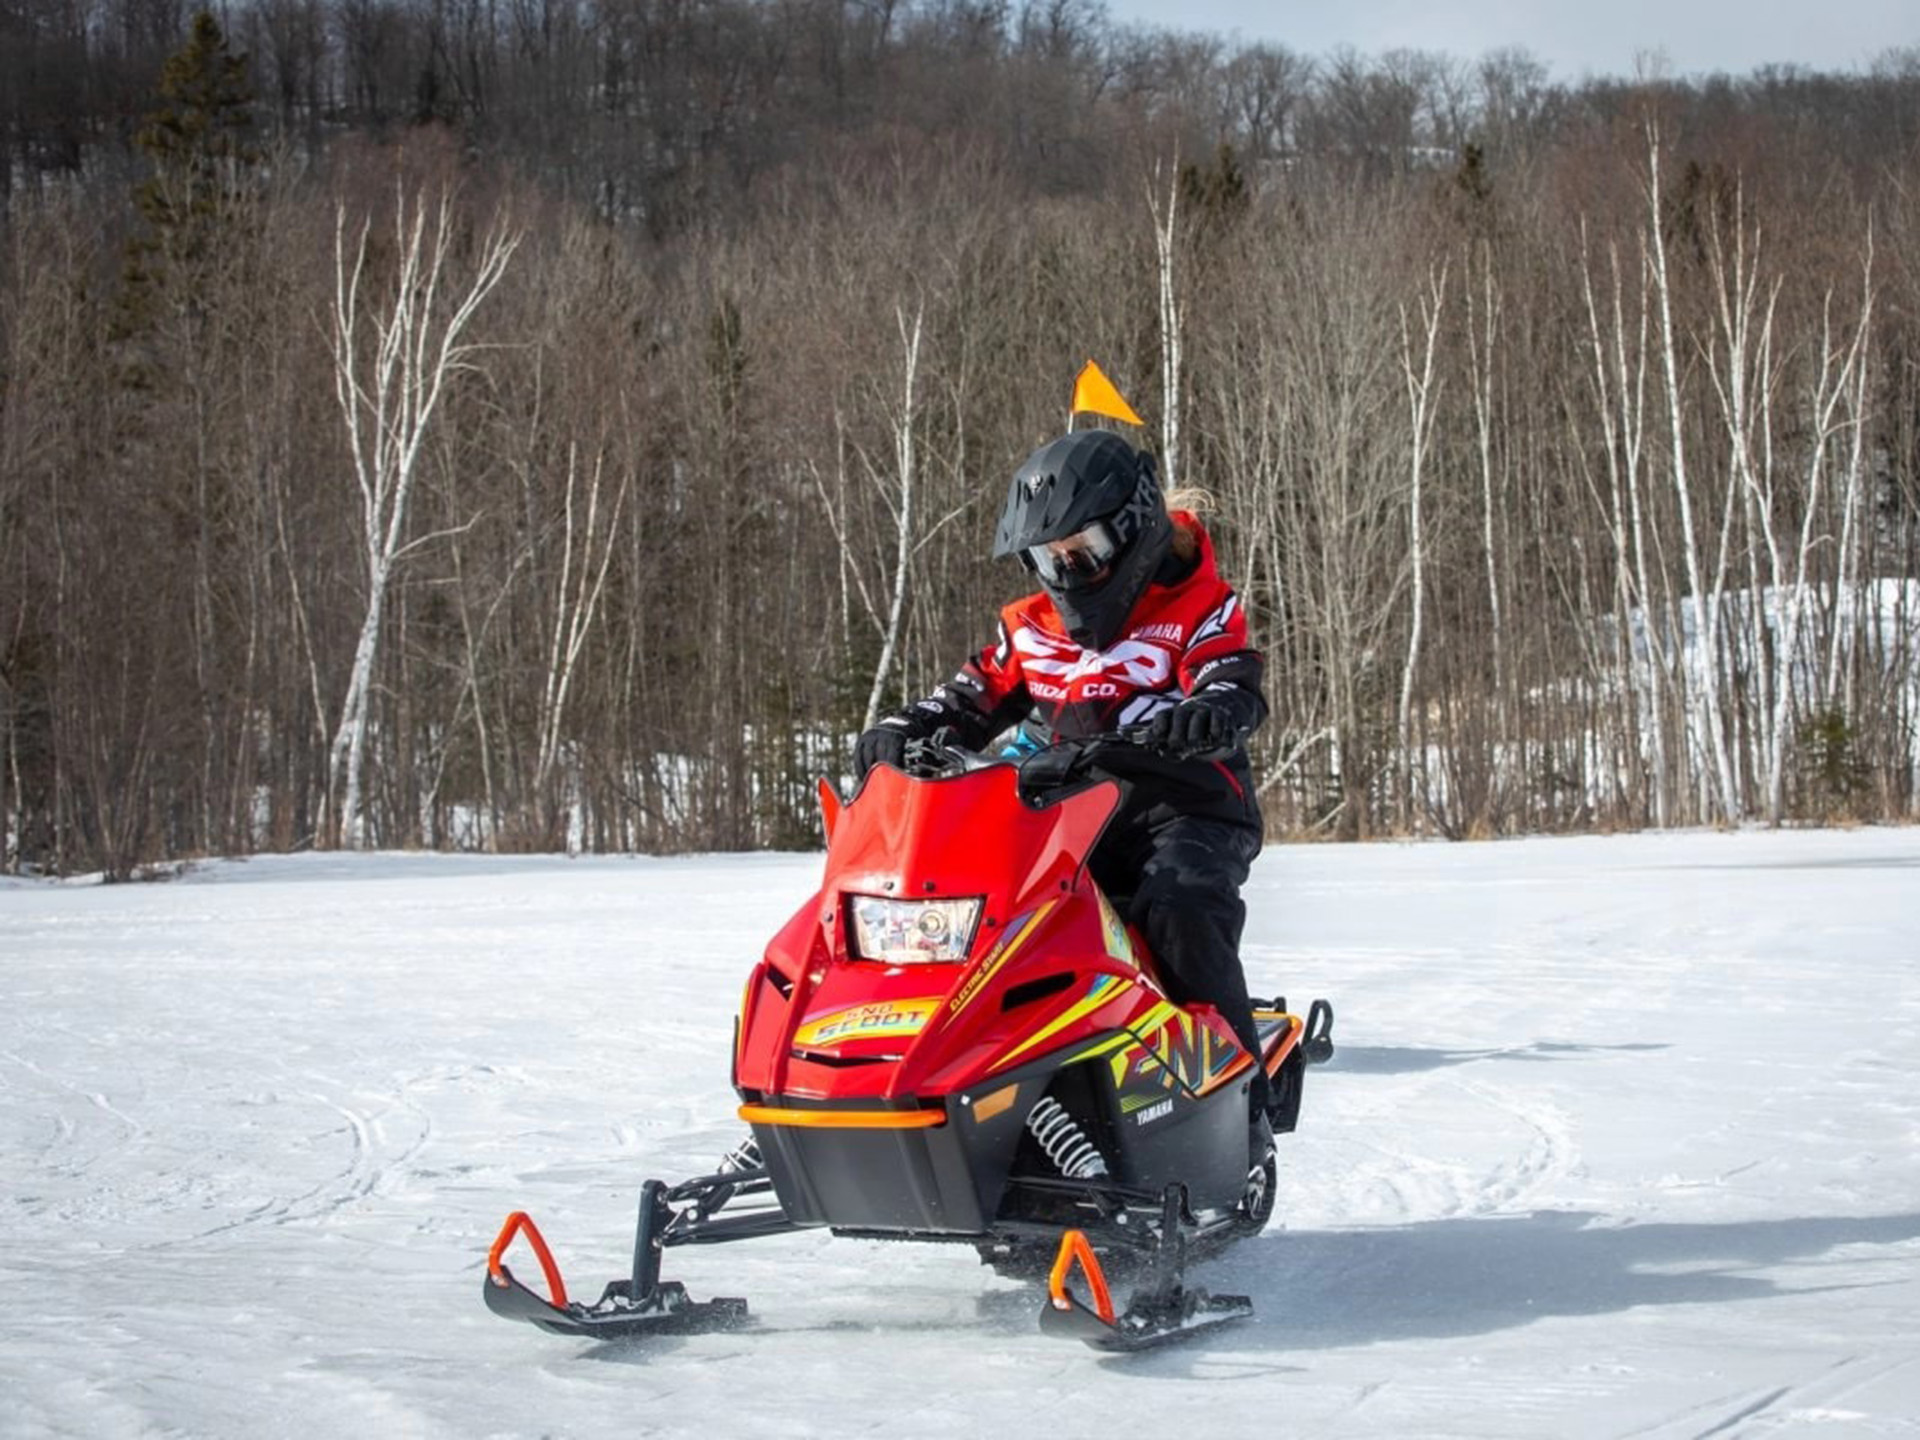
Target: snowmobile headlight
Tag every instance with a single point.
(910, 932)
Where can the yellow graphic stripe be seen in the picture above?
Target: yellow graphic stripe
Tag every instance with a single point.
(977, 981)
(1105, 990)
(1099, 1048)
(1155, 1038)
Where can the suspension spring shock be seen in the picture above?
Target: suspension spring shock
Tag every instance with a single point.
(1065, 1143)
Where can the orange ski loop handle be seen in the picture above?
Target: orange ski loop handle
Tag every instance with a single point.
(1074, 1248)
(516, 1222)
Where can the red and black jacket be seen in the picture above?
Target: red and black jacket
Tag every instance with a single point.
(1187, 634)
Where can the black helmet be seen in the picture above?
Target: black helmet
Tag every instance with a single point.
(1084, 513)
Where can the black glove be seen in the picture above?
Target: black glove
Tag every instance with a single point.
(1198, 728)
(884, 744)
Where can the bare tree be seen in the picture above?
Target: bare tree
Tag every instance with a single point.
(586, 554)
(1708, 720)
(1164, 235)
(1618, 346)
(389, 391)
(901, 501)
(1416, 364)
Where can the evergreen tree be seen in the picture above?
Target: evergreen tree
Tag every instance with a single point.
(1215, 196)
(186, 317)
(200, 141)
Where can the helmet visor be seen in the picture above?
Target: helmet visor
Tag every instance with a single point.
(1076, 560)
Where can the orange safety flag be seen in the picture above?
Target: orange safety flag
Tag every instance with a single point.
(1094, 394)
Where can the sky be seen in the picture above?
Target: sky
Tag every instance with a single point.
(1622, 1138)
(1574, 39)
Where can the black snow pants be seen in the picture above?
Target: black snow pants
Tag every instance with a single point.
(1183, 876)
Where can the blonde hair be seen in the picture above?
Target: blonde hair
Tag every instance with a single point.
(1195, 498)
(1195, 501)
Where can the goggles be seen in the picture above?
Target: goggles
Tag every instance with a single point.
(1075, 560)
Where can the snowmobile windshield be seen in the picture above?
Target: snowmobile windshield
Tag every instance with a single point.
(960, 837)
(1078, 560)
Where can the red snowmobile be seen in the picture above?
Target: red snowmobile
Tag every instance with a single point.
(959, 1039)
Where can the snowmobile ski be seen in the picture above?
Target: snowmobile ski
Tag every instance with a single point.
(642, 1304)
(1137, 1329)
(1163, 1311)
(616, 1315)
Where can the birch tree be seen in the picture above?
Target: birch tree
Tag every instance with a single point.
(1618, 349)
(1422, 395)
(1836, 401)
(587, 545)
(1164, 236)
(394, 356)
(898, 485)
(904, 477)
(1483, 334)
(1744, 372)
(1708, 721)
(1851, 539)
(1747, 376)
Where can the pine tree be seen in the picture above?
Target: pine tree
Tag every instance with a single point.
(184, 316)
(204, 168)
(1215, 195)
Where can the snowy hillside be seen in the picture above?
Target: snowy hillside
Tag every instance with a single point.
(1623, 1139)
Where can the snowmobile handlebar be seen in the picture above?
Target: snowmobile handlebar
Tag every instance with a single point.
(1061, 764)
(941, 754)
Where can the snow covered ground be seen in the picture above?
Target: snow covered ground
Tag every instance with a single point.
(1623, 1139)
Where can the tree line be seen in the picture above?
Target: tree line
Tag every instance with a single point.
(565, 426)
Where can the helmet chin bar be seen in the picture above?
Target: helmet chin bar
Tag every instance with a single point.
(1095, 616)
